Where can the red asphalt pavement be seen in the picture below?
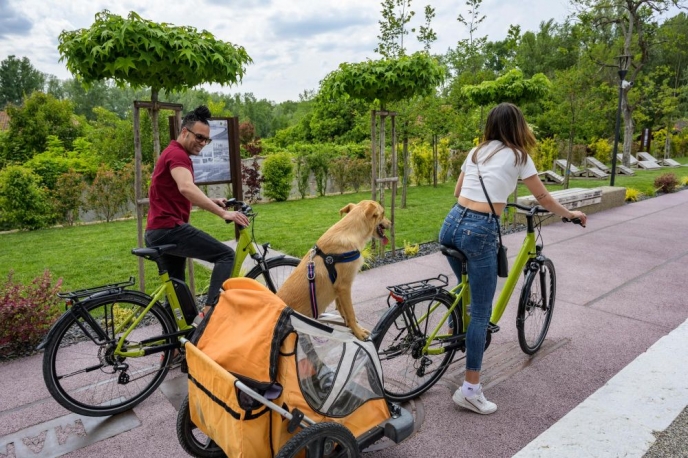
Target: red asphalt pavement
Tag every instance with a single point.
(620, 288)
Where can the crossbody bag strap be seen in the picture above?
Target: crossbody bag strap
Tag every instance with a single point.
(480, 177)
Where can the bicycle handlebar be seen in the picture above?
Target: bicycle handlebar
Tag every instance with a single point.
(240, 206)
(537, 209)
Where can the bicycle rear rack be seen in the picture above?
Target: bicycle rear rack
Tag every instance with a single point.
(112, 288)
(429, 285)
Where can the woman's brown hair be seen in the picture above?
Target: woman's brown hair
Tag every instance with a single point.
(506, 123)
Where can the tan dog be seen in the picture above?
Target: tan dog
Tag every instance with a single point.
(362, 222)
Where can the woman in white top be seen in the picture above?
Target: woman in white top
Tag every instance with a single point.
(471, 227)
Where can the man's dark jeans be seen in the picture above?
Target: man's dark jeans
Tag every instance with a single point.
(194, 243)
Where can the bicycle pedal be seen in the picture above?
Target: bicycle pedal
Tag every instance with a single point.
(492, 328)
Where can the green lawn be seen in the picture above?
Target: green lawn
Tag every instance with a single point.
(95, 254)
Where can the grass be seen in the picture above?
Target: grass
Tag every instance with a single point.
(95, 254)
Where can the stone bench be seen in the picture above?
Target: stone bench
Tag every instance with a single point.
(587, 200)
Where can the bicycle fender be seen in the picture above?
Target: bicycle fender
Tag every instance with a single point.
(68, 314)
(375, 333)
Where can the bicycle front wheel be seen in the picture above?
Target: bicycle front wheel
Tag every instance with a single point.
(409, 369)
(535, 306)
(81, 370)
(277, 272)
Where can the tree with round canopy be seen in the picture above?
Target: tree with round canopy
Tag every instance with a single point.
(384, 81)
(143, 53)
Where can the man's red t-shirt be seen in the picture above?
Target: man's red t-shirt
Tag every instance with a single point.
(168, 207)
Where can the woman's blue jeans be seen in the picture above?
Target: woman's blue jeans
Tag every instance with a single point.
(476, 235)
(194, 243)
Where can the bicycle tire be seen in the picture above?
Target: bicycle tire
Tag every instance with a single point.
(193, 440)
(278, 270)
(322, 440)
(535, 306)
(80, 374)
(399, 338)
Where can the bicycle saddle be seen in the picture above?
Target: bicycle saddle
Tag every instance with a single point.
(453, 252)
(152, 253)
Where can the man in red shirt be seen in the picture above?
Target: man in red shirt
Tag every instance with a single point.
(173, 192)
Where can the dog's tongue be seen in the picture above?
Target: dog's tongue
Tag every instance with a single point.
(384, 240)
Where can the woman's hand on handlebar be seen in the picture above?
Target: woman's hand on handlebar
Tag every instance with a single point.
(237, 217)
(577, 217)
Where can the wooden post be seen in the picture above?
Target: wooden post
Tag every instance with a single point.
(373, 183)
(394, 183)
(404, 183)
(434, 160)
(138, 191)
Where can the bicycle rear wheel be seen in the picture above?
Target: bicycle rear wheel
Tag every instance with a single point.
(535, 306)
(400, 336)
(81, 371)
(278, 270)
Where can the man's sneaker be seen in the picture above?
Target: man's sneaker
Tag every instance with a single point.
(477, 403)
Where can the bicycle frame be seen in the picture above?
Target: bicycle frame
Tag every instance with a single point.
(461, 293)
(245, 247)
(166, 288)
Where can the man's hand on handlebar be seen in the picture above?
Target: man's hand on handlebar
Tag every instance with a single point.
(577, 217)
(237, 217)
(220, 202)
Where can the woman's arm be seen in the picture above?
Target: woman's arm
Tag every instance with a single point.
(545, 199)
(459, 183)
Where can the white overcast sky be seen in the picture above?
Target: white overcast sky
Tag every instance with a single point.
(293, 43)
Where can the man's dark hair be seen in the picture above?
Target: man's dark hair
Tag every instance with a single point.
(200, 114)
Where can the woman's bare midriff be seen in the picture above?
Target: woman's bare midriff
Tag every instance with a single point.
(483, 207)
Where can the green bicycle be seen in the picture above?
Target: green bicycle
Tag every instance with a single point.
(113, 346)
(419, 335)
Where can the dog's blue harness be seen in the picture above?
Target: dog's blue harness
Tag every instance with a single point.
(330, 261)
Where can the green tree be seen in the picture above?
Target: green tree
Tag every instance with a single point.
(510, 87)
(632, 26)
(18, 79)
(396, 14)
(30, 124)
(143, 53)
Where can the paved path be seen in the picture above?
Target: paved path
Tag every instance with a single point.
(612, 371)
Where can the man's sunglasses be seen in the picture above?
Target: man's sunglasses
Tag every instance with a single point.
(200, 138)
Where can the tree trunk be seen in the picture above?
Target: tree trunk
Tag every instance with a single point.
(154, 121)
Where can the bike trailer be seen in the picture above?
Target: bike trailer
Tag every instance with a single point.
(297, 365)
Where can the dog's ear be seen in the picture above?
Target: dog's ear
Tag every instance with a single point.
(346, 209)
(374, 210)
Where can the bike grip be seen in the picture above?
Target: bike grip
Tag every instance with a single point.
(574, 221)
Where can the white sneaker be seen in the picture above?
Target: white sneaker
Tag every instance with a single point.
(477, 403)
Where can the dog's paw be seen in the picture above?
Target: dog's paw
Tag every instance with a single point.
(361, 333)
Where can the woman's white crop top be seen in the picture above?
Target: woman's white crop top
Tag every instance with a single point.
(500, 175)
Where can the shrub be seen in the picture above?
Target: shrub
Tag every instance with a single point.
(67, 196)
(302, 175)
(411, 249)
(23, 202)
(278, 172)
(339, 171)
(108, 194)
(421, 159)
(359, 172)
(26, 311)
(455, 163)
(545, 154)
(632, 195)
(666, 183)
(602, 150)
